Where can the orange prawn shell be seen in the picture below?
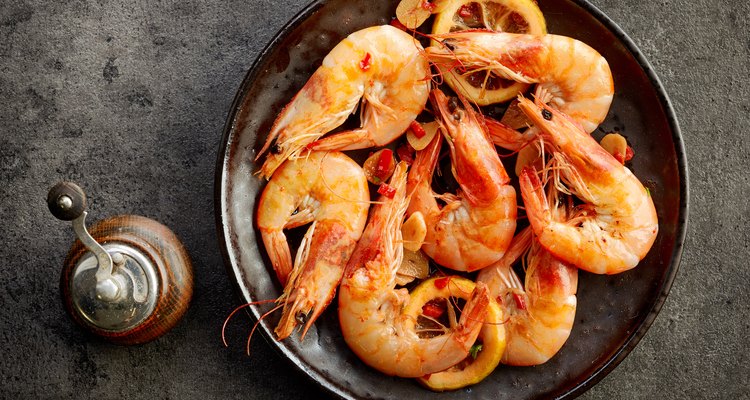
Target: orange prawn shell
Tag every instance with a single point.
(618, 224)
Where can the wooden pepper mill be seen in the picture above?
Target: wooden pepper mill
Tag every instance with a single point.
(129, 280)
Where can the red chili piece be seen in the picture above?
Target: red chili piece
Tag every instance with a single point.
(384, 164)
(387, 190)
(429, 6)
(442, 282)
(365, 63)
(623, 158)
(433, 309)
(629, 153)
(464, 11)
(520, 302)
(416, 127)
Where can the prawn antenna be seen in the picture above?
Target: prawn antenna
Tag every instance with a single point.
(255, 326)
(443, 67)
(503, 322)
(226, 320)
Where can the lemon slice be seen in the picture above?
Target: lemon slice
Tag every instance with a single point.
(475, 367)
(514, 16)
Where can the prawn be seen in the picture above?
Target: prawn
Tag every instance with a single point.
(475, 226)
(371, 310)
(541, 311)
(382, 66)
(330, 190)
(570, 75)
(617, 224)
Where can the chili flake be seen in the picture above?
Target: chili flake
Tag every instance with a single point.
(385, 164)
(365, 63)
(442, 282)
(433, 309)
(428, 5)
(520, 302)
(416, 127)
(387, 190)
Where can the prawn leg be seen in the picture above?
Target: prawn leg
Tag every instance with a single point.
(506, 137)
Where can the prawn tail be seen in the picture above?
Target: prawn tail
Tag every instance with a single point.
(347, 140)
(519, 245)
(279, 254)
(537, 209)
(506, 137)
(473, 316)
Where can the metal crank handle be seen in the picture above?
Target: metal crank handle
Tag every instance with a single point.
(67, 202)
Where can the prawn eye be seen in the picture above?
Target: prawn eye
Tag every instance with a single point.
(276, 149)
(452, 104)
(546, 114)
(301, 318)
(448, 44)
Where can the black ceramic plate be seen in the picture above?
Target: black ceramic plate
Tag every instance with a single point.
(614, 312)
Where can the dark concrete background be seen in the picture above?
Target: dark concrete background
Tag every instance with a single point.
(130, 100)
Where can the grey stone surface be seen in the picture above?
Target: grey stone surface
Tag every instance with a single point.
(130, 98)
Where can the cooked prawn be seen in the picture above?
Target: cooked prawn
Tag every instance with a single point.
(371, 313)
(541, 311)
(616, 226)
(382, 66)
(475, 226)
(571, 76)
(330, 190)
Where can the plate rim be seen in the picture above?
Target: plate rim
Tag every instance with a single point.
(629, 343)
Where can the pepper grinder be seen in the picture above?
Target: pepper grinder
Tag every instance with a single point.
(129, 279)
